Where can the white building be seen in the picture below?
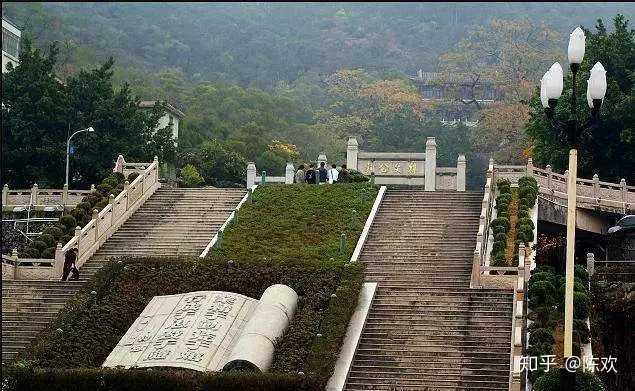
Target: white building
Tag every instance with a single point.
(10, 44)
(171, 118)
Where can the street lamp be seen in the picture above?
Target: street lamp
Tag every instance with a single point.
(68, 148)
(550, 90)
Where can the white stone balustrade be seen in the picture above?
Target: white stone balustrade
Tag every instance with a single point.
(14, 268)
(41, 199)
(104, 223)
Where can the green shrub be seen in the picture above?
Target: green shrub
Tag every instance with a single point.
(48, 253)
(498, 246)
(581, 305)
(580, 273)
(85, 206)
(523, 214)
(132, 176)
(503, 185)
(526, 221)
(104, 190)
(500, 237)
(29, 252)
(48, 239)
(543, 276)
(65, 239)
(80, 216)
(498, 260)
(356, 176)
(584, 381)
(39, 245)
(118, 177)
(528, 181)
(190, 176)
(541, 293)
(500, 222)
(54, 231)
(69, 222)
(93, 198)
(526, 233)
(541, 336)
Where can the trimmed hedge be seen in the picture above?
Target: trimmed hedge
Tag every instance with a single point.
(102, 379)
(584, 381)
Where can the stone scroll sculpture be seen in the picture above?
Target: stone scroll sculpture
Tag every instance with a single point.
(207, 331)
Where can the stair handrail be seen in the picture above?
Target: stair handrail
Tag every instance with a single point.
(104, 223)
(482, 236)
(519, 313)
(227, 222)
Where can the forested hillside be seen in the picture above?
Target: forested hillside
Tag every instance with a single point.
(273, 82)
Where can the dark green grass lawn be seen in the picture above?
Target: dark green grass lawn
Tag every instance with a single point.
(287, 234)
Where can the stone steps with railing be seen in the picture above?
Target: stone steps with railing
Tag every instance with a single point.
(171, 222)
(426, 329)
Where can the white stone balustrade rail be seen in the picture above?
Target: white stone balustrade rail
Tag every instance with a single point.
(591, 193)
(42, 199)
(519, 316)
(104, 223)
(14, 268)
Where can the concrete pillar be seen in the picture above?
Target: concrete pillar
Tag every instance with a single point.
(590, 264)
(34, 191)
(5, 194)
(431, 164)
(58, 266)
(352, 149)
(461, 166)
(530, 166)
(321, 158)
(251, 174)
(596, 186)
(289, 172)
(65, 195)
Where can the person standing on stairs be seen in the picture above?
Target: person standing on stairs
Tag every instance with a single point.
(69, 262)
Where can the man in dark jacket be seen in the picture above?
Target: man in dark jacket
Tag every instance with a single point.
(309, 176)
(324, 173)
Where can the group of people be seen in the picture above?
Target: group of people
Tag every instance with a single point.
(321, 175)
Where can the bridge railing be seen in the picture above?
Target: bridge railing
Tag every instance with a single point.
(41, 199)
(591, 193)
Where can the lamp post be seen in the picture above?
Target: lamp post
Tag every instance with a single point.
(551, 86)
(68, 148)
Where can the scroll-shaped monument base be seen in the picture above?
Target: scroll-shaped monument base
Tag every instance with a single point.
(207, 331)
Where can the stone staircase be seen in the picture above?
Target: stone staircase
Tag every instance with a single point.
(171, 222)
(426, 329)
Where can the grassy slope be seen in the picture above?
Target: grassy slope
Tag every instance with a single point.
(287, 235)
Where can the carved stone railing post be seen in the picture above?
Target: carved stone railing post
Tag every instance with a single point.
(623, 189)
(289, 172)
(34, 191)
(251, 174)
(352, 148)
(548, 169)
(596, 186)
(96, 218)
(461, 166)
(5, 194)
(14, 256)
(92, 187)
(78, 234)
(65, 195)
(58, 266)
(530, 166)
(590, 264)
(431, 164)
(321, 159)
